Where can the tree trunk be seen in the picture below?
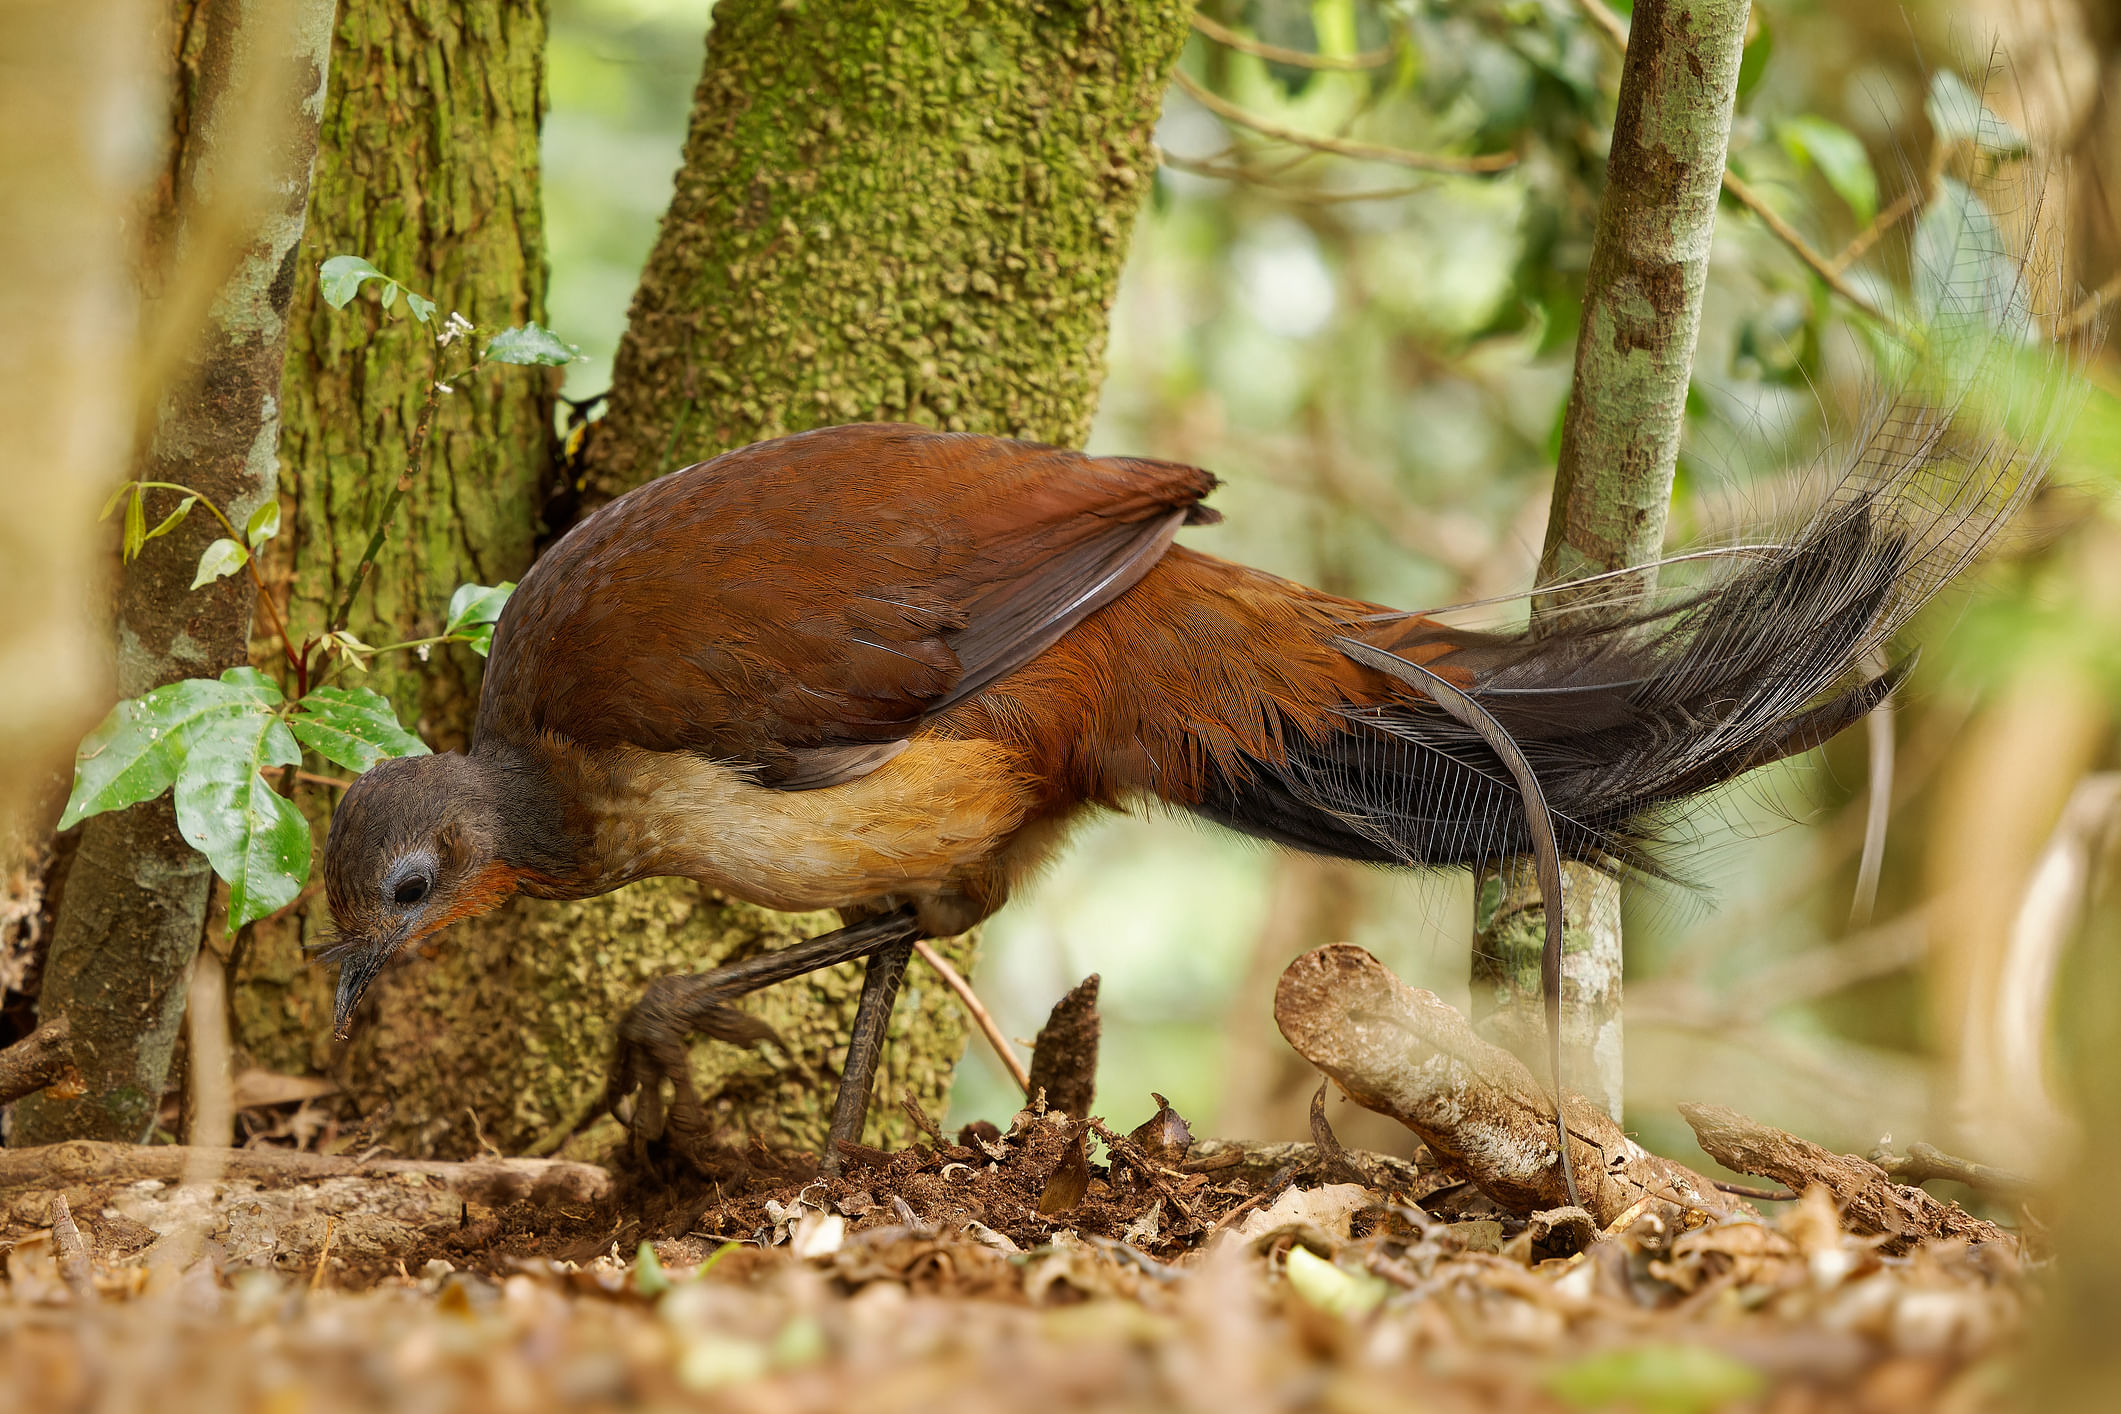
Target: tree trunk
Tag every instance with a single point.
(429, 168)
(250, 77)
(876, 203)
(1619, 446)
(892, 212)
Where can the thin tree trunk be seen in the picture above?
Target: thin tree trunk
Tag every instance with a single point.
(1619, 446)
(251, 75)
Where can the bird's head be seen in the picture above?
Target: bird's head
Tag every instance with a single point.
(413, 847)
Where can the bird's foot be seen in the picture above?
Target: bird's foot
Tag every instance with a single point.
(653, 1037)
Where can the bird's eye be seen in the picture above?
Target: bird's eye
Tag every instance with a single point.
(412, 890)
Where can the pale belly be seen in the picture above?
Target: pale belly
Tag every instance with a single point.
(927, 825)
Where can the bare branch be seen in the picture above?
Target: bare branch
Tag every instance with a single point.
(1340, 147)
(981, 1017)
(1245, 44)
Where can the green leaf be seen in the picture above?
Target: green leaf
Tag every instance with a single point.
(253, 836)
(531, 343)
(1656, 1379)
(135, 524)
(477, 604)
(115, 497)
(1957, 114)
(1963, 271)
(388, 294)
(264, 523)
(175, 518)
(137, 751)
(340, 278)
(221, 559)
(423, 308)
(1840, 158)
(352, 727)
(1349, 1295)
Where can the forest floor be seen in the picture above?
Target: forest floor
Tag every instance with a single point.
(1054, 1266)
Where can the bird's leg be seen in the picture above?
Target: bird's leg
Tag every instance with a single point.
(672, 1009)
(865, 1048)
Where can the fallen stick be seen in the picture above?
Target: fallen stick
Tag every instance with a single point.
(1923, 1162)
(1869, 1200)
(35, 1061)
(491, 1183)
(285, 1207)
(1402, 1052)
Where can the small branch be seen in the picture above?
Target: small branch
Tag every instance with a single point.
(1866, 1195)
(1757, 1195)
(1614, 27)
(1255, 1161)
(1341, 147)
(37, 1060)
(1400, 1051)
(2090, 310)
(492, 1182)
(1310, 196)
(1274, 53)
(1923, 1162)
(1822, 267)
(1859, 245)
(981, 1017)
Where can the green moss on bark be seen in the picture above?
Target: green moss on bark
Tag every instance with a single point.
(892, 212)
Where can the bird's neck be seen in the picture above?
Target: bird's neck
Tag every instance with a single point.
(532, 834)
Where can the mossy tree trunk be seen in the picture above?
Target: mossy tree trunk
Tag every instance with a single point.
(882, 213)
(1619, 448)
(429, 168)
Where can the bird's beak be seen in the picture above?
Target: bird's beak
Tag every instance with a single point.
(357, 969)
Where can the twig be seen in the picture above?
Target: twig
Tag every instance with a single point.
(1313, 196)
(37, 1060)
(1884, 221)
(1758, 1195)
(981, 1017)
(1870, 1200)
(316, 1278)
(1140, 1162)
(1341, 147)
(1245, 44)
(492, 1183)
(1788, 234)
(1923, 1162)
(2086, 312)
(1615, 28)
(72, 1252)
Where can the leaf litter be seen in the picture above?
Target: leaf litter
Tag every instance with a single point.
(1054, 1265)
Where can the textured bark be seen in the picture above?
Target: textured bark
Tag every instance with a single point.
(892, 212)
(1619, 447)
(250, 85)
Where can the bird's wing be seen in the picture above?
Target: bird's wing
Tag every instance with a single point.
(800, 606)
